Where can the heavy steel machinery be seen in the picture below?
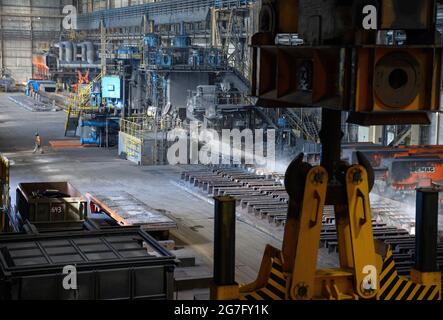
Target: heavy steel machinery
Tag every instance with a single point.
(400, 170)
(341, 67)
(7, 83)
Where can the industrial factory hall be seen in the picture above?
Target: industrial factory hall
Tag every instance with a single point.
(241, 151)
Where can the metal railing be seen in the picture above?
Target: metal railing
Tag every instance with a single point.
(137, 126)
(132, 128)
(80, 103)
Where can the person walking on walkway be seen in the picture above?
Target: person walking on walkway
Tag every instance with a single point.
(38, 144)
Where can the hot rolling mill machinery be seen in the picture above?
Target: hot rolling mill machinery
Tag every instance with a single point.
(138, 77)
(341, 67)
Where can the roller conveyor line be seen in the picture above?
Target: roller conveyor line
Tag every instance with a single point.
(265, 198)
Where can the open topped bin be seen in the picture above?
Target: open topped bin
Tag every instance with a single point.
(50, 205)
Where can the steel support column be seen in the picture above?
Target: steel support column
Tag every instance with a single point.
(426, 230)
(224, 241)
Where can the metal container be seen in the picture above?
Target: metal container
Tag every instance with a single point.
(50, 205)
(121, 264)
(127, 210)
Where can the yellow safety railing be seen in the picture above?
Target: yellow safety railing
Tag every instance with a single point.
(80, 102)
(132, 128)
(84, 95)
(136, 126)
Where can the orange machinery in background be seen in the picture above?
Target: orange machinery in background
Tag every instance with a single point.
(41, 69)
(82, 80)
(403, 169)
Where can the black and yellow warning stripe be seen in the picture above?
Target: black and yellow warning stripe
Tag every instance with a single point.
(275, 289)
(394, 287)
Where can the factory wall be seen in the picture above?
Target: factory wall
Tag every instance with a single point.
(95, 5)
(27, 27)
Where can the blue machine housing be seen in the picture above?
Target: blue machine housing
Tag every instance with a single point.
(196, 57)
(152, 40)
(111, 87)
(112, 91)
(181, 54)
(181, 41)
(215, 59)
(33, 84)
(36, 85)
(93, 136)
(282, 122)
(163, 58)
(129, 53)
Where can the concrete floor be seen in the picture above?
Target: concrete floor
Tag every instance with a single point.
(93, 169)
(101, 170)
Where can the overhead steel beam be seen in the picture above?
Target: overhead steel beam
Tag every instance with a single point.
(166, 11)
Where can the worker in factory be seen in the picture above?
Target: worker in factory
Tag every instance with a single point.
(38, 144)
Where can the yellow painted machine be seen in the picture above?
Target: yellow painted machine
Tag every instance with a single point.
(367, 269)
(342, 68)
